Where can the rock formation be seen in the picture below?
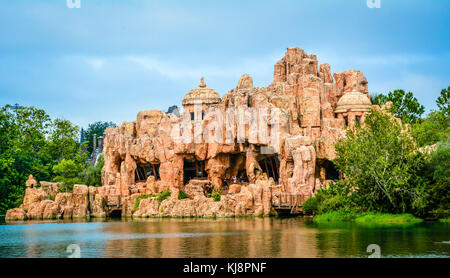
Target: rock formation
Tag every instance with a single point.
(256, 140)
(310, 108)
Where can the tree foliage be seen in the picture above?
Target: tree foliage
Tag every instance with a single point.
(32, 143)
(386, 169)
(97, 128)
(92, 175)
(443, 102)
(404, 105)
(436, 126)
(376, 161)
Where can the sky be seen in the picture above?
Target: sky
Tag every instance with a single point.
(109, 59)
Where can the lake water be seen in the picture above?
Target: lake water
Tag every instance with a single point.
(217, 238)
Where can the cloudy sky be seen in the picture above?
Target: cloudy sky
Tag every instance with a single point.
(111, 58)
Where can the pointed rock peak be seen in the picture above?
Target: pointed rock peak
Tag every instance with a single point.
(245, 82)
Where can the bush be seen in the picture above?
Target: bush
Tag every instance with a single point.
(310, 206)
(163, 195)
(182, 195)
(215, 194)
(334, 203)
(335, 197)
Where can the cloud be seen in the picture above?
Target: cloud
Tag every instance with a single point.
(179, 70)
(409, 59)
(96, 63)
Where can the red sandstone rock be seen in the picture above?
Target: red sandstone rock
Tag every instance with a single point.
(31, 182)
(234, 189)
(81, 200)
(36, 210)
(16, 214)
(280, 138)
(98, 206)
(32, 195)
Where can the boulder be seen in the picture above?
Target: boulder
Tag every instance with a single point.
(32, 195)
(36, 210)
(98, 206)
(147, 207)
(234, 189)
(128, 204)
(52, 211)
(81, 200)
(16, 214)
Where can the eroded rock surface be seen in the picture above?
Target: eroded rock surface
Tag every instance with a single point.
(253, 143)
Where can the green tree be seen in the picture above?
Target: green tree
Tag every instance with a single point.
(404, 105)
(67, 172)
(23, 132)
(434, 173)
(97, 128)
(443, 102)
(92, 175)
(377, 162)
(31, 143)
(63, 140)
(436, 126)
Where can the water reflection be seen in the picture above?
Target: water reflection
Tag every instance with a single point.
(228, 237)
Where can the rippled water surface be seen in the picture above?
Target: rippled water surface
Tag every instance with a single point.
(232, 237)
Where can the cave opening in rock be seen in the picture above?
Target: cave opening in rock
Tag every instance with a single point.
(194, 169)
(331, 172)
(117, 213)
(238, 168)
(327, 166)
(145, 170)
(270, 165)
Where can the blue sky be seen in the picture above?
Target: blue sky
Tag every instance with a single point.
(112, 58)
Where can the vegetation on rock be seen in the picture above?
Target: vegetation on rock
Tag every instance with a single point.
(182, 195)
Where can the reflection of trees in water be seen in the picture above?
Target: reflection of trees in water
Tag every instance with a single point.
(395, 239)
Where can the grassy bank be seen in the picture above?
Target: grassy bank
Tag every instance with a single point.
(445, 220)
(367, 217)
(336, 216)
(386, 217)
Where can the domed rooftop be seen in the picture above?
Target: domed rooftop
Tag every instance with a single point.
(201, 94)
(354, 102)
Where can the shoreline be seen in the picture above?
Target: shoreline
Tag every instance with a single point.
(362, 218)
(369, 217)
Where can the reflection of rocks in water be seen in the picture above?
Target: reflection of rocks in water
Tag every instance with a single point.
(227, 237)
